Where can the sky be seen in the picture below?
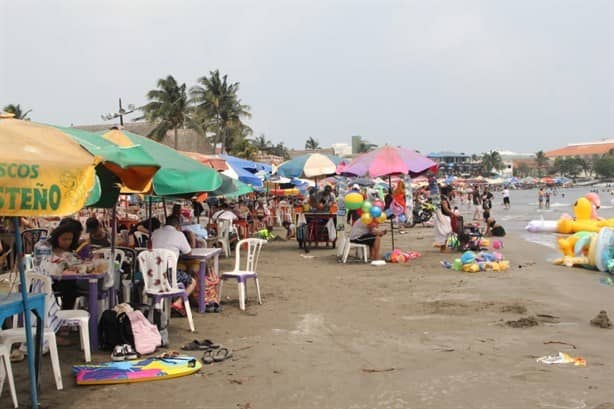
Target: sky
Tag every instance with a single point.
(454, 75)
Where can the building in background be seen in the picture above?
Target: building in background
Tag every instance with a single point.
(342, 149)
(584, 150)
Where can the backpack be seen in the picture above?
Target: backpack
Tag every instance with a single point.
(146, 335)
(114, 329)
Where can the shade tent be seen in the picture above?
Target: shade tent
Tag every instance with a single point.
(178, 174)
(243, 175)
(246, 164)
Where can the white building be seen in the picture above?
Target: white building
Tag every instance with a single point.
(341, 149)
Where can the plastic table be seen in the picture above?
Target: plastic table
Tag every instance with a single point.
(12, 304)
(203, 255)
(92, 301)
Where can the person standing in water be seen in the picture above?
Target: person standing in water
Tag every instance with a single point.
(540, 197)
(547, 195)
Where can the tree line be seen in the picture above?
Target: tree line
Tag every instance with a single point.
(212, 108)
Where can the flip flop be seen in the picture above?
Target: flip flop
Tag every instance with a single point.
(222, 354)
(197, 345)
(207, 357)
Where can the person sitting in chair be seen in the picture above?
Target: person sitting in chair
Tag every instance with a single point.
(171, 238)
(371, 236)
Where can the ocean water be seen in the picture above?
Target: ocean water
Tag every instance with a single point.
(524, 208)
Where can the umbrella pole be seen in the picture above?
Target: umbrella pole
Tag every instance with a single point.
(112, 261)
(391, 224)
(150, 223)
(32, 366)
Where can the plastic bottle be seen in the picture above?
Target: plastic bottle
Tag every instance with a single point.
(42, 250)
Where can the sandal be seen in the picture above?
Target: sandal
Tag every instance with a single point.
(197, 345)
(222, 354)
(207, 357)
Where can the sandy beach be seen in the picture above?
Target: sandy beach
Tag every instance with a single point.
(412, 335)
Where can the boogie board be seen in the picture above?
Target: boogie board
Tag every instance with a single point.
(139, 370)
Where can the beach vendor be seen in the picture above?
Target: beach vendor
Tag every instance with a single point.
(369, 235)
(170, 237)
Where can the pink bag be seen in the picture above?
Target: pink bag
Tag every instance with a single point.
(146, 335)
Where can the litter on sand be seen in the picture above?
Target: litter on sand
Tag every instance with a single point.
(561, 358)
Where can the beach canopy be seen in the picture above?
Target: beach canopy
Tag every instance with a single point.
(309, 166)
(178, 175)
(389, 160)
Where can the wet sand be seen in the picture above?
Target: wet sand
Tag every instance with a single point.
(355, 336)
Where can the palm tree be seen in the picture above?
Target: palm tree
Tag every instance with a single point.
(312, 144)
(17, 112)
(219, 108)
(491, 160)
(168, 108)
(542, 162)
(262, 143)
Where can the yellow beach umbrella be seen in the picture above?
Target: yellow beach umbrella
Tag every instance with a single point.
(43, 172)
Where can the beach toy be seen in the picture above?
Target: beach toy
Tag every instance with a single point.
(497, 244)
(457, 264)
(366, 206)
(375, 211)
(582, 209)
(366, 218)
(590, 250)
(353, 200)
(468, 257)
(484, 243)
(402, 218)
(381, 218)
(593, 198)
(387, 256)
(379, 203)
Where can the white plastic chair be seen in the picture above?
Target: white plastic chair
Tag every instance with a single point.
(224, 227)
(155, 265)
(348, 245)
(6, 371)
(141, 239)
(254, 246)
(12, 336)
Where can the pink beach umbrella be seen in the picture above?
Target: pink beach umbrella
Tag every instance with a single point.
(387, 161)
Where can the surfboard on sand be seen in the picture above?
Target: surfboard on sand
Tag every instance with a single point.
(138, 370)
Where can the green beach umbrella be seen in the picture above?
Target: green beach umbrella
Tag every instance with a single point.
(178, 175)
(128, 166)
(231, 188)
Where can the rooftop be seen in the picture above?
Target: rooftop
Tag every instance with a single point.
(583, 149)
